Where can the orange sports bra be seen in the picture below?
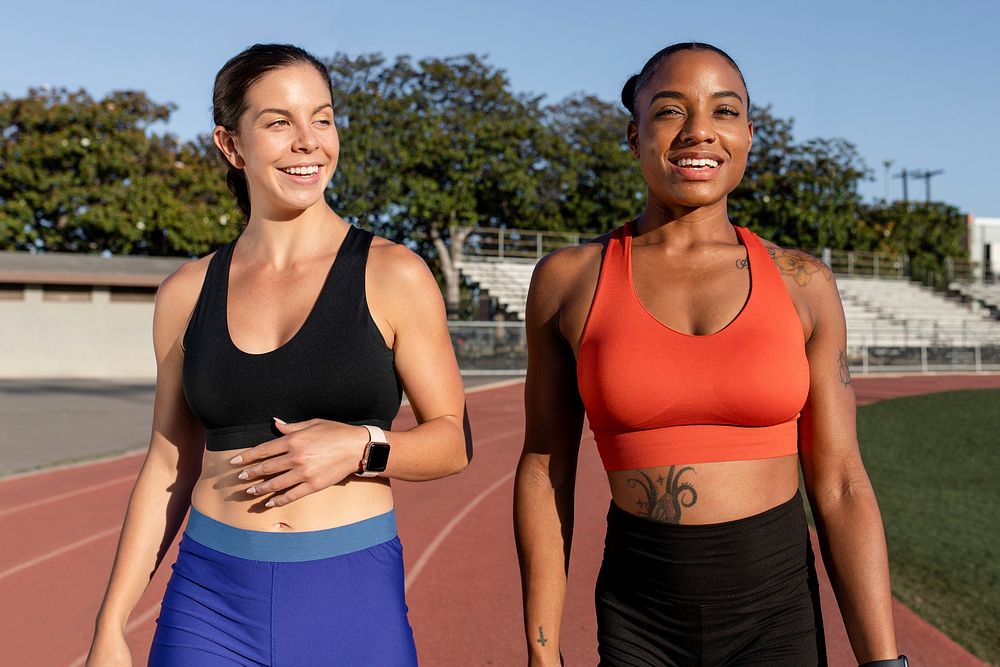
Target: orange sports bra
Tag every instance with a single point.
(657, 397)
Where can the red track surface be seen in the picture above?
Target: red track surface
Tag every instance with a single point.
(60, 529)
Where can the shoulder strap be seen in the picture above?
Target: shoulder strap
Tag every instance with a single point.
(344, 289)
(612, 281)
(210, 308)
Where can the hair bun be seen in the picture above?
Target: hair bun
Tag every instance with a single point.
(628, 93)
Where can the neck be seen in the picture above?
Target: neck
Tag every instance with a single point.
(684, 226)
(279, 239)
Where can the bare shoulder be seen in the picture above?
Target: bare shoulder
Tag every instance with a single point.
(394, 266)
(186, 281)
(811, 286)
(562, 269)
(563, 286)
(799, 268)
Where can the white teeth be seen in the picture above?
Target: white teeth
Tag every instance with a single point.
(691, 162)
(302, 171)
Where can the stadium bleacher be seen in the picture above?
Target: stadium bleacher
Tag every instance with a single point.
(880, 311)
(982, 294)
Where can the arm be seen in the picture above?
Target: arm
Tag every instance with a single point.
(546, 472)
(844, 506)
(162, 492)
(405, 299)
(441, 443)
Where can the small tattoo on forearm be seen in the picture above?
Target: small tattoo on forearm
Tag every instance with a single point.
(541, 637)
(843, 370)
(743, 263)
(665, 507)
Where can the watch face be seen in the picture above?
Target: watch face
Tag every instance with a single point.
(378, 457)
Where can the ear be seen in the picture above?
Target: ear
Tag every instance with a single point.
(226, 142)
(632, 136)
(750, 130)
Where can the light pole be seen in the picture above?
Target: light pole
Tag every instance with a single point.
(888, 165)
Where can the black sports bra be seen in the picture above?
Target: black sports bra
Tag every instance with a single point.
(335, 367)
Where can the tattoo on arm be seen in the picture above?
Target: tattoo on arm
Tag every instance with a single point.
(743, 263)
(665, 507)
(843, 371)
(800, 266)
(541, 637)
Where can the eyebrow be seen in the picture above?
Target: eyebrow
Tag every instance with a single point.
(286, 112)
(675, 95)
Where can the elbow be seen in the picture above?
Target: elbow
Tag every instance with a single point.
(843, 497)
(462, 457)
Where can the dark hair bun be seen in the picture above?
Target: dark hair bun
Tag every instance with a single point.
(628, 93)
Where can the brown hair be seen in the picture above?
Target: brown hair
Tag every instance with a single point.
(229, 97)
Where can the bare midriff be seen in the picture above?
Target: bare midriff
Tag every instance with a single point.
(220, 494)
(704, 493)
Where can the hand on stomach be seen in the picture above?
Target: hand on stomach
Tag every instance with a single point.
(703, 493)
(222, 495)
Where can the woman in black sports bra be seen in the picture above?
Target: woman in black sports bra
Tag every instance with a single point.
(280, 364)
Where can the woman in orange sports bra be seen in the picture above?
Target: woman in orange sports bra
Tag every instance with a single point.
(710, 364)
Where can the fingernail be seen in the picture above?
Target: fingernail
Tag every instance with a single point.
(244, 475)
(269, 503)
(279, 420)
(236, 459)
(252, 490)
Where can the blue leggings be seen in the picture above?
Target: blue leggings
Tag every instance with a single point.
(325, 597)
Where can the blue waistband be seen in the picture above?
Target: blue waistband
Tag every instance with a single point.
(294, 546)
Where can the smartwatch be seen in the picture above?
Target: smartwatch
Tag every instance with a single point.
(376, 455)
(901, 661)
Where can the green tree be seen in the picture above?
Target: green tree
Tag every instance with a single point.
(593, 178)
(931, 235)
(434, 147)
(801, 195)
(85, 175)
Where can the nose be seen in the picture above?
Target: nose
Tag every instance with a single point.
(305, 141)
(697, 129)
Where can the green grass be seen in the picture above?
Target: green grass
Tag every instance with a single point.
(935, 462)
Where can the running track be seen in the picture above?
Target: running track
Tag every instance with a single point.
(60, 528)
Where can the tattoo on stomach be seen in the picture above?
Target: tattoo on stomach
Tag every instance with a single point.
(666, 496)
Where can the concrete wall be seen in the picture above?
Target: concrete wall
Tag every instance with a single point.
(42, 336)
(985, 231)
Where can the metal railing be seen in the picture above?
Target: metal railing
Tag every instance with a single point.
(505, 244)
(515, 244)
(915, 332)
(500, 348)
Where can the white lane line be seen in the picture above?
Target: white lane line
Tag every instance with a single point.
(425, 557)
(499, 384)
(142, 618)
(71, 466)
(68, 494)
(421, 562)
(58, 552)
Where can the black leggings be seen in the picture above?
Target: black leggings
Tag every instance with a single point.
(742, 592)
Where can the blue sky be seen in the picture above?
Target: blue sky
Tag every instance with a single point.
(916, 82)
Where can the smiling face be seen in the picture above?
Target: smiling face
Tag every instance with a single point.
(286, 143)
(691, 132)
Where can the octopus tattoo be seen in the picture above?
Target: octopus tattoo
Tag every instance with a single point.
(664, 507)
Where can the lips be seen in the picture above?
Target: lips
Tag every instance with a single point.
(696, 166)
(306, 170)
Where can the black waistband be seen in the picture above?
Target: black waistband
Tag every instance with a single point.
(719, 562)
